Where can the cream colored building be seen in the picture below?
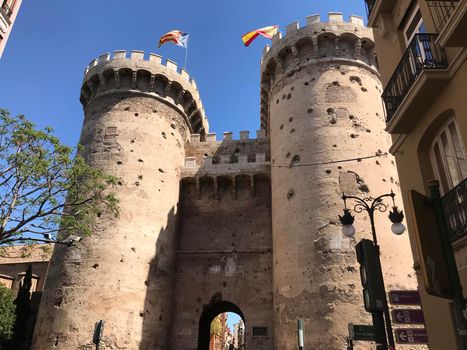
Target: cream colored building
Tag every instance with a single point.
(8, 11)
(420, 46)
(14, 262)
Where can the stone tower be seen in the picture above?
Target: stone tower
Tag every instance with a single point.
(138, 116)
(321, 107)
(244, 225)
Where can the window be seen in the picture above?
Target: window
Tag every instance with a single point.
(34, 281)
(6, 280)
(448, 157)
(414, 25)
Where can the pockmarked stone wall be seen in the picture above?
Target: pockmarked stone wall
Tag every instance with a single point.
(247, 225)
(321, 107)
(224, 253)
(138, 116)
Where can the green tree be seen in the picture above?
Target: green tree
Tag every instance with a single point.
(45, 192)
(7, 314)
(216, 326)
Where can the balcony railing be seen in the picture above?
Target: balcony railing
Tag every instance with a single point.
(421, 54)
(455, 211)
(369, 4)
(6, 9)
(441, 11)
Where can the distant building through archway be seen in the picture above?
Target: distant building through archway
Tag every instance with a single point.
(208, 315)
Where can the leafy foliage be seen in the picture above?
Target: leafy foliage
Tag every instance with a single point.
(7, 313)
(45, 193)
(216, 326)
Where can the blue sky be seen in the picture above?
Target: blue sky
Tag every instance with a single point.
(232, 318)
(52, 42)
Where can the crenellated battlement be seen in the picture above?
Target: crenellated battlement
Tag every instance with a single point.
(336, 41)
(228, 136)
(137, 55)
(226, 165)
(227, 161)
(164, 80)
(314, 28)
(207, 156)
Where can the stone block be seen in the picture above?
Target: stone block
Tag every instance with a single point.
(244, 135)
(261, 134)
(356, 20)
(312, 19)
(119, 54)
(172, 65)
(228, 136)
(195, 137)
(137, 55)
(185, 74)
(155, 58)
(336, 17)
(104, 57)
(260, 157)
(225, 159)
(211, 136)
(242, 158)
(190, 162)
(292, 27)
(276, 38)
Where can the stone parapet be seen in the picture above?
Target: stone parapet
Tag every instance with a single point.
(167, 82)
(228, 136)
(233, 165)
(208, 155)
(349, 42)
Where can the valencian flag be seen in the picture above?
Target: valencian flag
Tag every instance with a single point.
(267, 32)
(175, 36)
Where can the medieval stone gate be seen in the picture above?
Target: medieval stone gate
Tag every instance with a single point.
(246, 225)
(224, 255)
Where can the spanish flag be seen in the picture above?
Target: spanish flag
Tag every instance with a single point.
(267, 32)
(175, 36)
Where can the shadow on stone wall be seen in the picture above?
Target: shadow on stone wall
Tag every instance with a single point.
(157, 313)
(224, 247)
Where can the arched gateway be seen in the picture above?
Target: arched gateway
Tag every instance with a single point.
(224, 253)
(207, 317)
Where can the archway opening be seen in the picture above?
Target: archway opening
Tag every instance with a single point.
(222, 327)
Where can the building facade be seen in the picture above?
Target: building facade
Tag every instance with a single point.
(245, 225)
(14, 264)
(420, 47)
(8, 11)
(217, 332)
(238, 335)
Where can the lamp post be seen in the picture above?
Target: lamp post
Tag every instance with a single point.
(380, 313)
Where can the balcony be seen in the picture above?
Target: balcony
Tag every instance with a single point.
(6, 10)
(455, 211)
(450, 20)
(369, 4)
(419, 76)
(441, 11)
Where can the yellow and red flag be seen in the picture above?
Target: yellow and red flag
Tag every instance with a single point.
(267, 32)
(175, 36)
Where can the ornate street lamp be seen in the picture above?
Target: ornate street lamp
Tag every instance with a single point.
(371, 205)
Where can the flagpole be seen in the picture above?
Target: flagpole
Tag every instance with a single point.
(186, 52)
(186, 56)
